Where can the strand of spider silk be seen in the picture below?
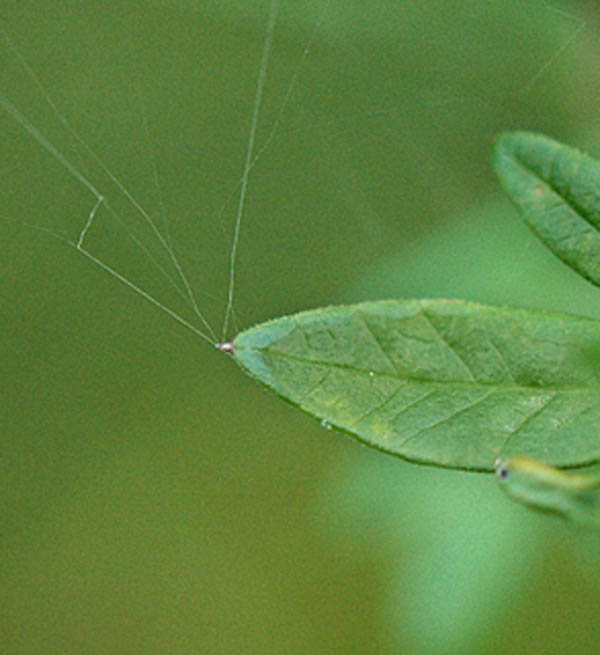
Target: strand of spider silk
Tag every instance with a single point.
(262, 76)
(279, 117)
(100, 199)
(104, 167)
(114, 273)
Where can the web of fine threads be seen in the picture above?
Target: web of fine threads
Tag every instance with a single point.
(180, 282)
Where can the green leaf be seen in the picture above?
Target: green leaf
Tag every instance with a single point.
(558, 190)
(444, 382)
(573, 495)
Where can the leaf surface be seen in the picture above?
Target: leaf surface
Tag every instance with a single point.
(443, 382)
(558, 190)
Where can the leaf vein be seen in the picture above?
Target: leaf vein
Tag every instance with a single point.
(502, 358)
(450, 348)
(413, 403)
(376, 339)
(440, 383)
(445, 419)
(315, 386)
(379, 406)
(527, 420)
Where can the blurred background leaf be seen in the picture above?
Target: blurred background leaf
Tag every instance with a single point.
(154, 499)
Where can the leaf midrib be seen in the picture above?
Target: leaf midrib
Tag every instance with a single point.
(476, 383)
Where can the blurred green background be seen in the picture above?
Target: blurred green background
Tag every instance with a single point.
(154, 499)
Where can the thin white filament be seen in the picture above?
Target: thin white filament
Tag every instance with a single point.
(11, 109)
(262, 76)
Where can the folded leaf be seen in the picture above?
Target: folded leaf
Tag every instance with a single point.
(574, 495)
(444, 382)
(558, 190)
